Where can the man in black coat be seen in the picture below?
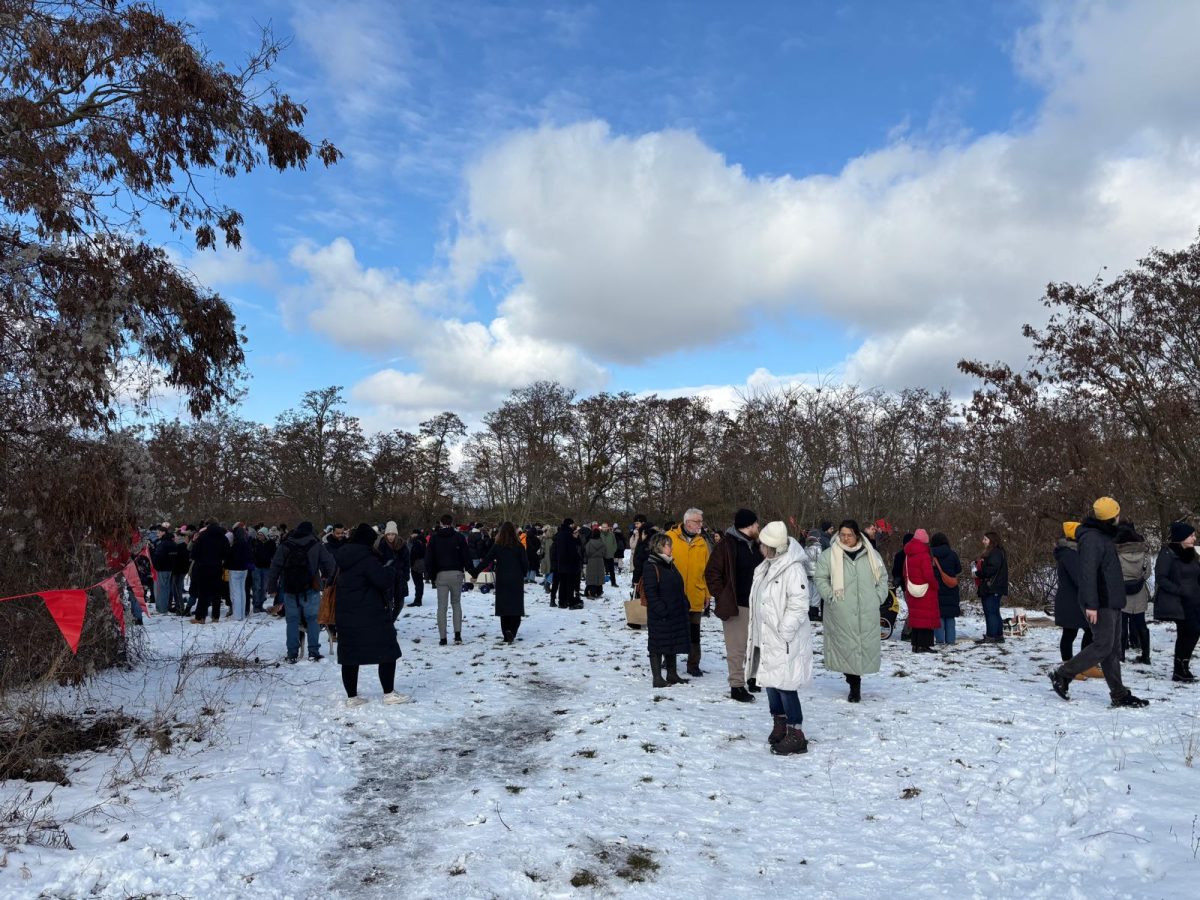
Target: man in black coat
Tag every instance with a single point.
(210, 553)
(568, 564)
(1102, 596)
(163, 556)
(447, 560)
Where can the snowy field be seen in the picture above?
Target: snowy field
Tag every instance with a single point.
(552, 768)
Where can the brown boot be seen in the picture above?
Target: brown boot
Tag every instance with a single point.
(779, 731)
(793, 742)
(673, 671)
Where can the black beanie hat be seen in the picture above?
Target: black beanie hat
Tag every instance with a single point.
(744, 518)
(1180, 531)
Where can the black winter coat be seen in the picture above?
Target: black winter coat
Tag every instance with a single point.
(164, 554)
(994, 577)
(1067, 611)
(667, 607)
(183, 559)
(642, 552)
(510, 566)
(366, 636)
(447, 552)
(476, 544)
(1177, 586)
(210, 552)
(264, 552)
(416, 555)
(401, 569)
(1101, 584)
(949, 598)
(568, 556)
(241, 554)
(533, 544)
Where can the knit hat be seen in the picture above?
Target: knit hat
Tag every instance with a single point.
(1180, 531)
(264, 531)
(392, 528)
(921, 535)
(744, 518)
(363, 534)
(1106, 508)
(1069, 529)
(775, 536)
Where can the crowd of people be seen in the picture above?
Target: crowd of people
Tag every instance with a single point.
(767, 587)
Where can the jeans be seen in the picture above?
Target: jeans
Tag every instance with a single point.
(135, 608)
(308, 603)
(181, 606)
(237, 593)
(991, 615)
(162, 593)
(946, 634)
(1104, 650)
(786, 703)
(449, 592)
(259, 577)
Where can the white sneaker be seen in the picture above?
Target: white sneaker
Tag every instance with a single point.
(393, 698)
(354, 702)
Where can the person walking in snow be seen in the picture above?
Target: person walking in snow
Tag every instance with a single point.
(366, 634)
(295, 580)
(779, 636)
(1177, 582)
(667, 609)
(854, 583)
(729, 575)
(920, 592)
(690, 551)
(1068, 613)
(1102, 594)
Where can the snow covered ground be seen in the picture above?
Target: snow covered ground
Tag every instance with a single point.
(552, 768)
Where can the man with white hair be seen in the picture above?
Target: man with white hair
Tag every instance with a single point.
(690, 551)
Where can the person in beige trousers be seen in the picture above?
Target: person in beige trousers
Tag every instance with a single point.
(729, 575)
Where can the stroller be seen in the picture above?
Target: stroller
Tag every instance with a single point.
(889, 611)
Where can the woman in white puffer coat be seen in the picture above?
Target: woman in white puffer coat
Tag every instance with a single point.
(779, 651)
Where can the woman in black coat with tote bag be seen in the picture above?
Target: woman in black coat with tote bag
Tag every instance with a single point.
(510, 565)
(366, 636)
(667, 611)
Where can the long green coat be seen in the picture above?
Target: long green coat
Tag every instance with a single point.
(851, 625)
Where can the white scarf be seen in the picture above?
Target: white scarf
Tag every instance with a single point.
(837, 574)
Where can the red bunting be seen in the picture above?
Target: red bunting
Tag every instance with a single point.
(67, 609)
(113, 590)
(135, 584)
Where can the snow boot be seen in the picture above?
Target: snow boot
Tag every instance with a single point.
(1130, 701)
(855, 690)
(693, 662)
(656, 664)
(1182, 672)
(741, 695)
(793, 742)
(673, 671)
(752, 686)
(441, 642)
(1060, 683)
(458, 637)
(778, 731)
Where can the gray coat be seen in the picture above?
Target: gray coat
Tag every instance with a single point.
(1135, 567)
(594, 552)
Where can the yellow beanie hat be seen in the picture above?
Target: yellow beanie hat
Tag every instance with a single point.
(1069, 529)
(1106, 508)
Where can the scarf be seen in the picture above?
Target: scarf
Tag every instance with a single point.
(837, 572)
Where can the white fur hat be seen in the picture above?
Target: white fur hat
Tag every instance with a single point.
(775, 536)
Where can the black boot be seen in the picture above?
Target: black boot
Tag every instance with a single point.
(741, 695)
(673, 672)
(693, 664)
(1182, 672)
(779, 731)
(752, 686)
(1130, 701)
(793, 742)
(656, 664)
(1060, 683)
(855, 683)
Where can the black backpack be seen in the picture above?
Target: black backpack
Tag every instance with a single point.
(297, 578)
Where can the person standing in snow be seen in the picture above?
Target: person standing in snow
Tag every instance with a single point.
(264, 551)
(394, 554)
(779, 636)
(1135, 569)
(812, 553)
(366, 635)
(416, 559)
(667, 609)
(610, 553)
(1068, 613)
(568, 563)
(241, 558)
(447, 561)
(210, 553)
(854, 583)
(1177, 582)
(947, 569)
(163, 556)
(593, 553)
(920, 592)
(993, 587)
(729, 575)
(510, 564)
(295, 580)
(690, 552)
(1102, 594)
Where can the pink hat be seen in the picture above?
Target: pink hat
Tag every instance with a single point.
(921, 535)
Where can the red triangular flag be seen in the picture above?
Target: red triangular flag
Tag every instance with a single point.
(135, 584)
(113, 590)
(67, 608)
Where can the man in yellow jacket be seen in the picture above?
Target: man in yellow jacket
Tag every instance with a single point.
(690, 551)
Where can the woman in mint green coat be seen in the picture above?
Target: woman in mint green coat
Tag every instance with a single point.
(853, 583)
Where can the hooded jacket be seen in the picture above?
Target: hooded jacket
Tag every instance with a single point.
(1067, 611)
(1135, 569)
(779, 634)
(924, 611)
(1100, 583)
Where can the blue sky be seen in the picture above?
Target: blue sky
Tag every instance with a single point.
(691, 197)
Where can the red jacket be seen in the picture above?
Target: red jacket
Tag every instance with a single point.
(923, 612)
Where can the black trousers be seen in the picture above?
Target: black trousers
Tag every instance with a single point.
(610, 571)
(1134, 632)
(922, 638)
(1185, 641)
(203, 603)
(387, 678)
(1066, 644)
(418, 586)
(509, 625)
(568, 589)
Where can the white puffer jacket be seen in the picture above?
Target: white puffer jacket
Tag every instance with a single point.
(779, 651)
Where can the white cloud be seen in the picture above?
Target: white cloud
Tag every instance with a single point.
(729, 397)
